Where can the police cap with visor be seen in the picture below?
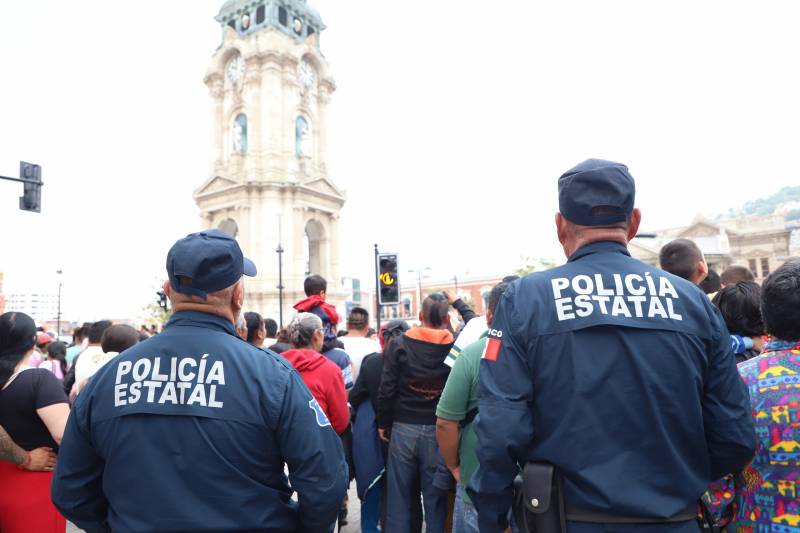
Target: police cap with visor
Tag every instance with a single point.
(596, 193)
(206, 262)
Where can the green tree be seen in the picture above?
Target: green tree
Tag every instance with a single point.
(534, 264)
(156, 313)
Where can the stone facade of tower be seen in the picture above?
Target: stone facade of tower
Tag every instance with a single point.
(270, 88)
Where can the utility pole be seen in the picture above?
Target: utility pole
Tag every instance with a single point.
(377, 292)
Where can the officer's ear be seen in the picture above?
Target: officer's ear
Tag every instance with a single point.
(561, 228)
(636, 219)
(167, 289)
(237, 296)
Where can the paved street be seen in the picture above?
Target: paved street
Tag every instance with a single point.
(352, 527)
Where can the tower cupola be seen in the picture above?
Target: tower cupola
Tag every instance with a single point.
(295, 18)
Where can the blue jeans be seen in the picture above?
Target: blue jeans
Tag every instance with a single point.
(465, 516)
(413, 456)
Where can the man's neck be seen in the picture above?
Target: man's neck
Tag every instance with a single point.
(356, 333)
(211, 310)
(597, 236)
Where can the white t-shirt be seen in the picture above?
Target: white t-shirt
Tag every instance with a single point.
(269, 342)
(358, 348)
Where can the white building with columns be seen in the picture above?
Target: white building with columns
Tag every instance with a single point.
(268, 181)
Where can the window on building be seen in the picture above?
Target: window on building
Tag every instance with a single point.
(239, 134)
(764, 267)
(261, 14)
(283, 16)
(753, 268)
(406, 307)
(302, 129)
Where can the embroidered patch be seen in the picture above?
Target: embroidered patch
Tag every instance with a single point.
(492, 349)
(322, 420)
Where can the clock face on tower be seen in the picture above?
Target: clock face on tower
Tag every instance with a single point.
(306, 75)
(235, 69)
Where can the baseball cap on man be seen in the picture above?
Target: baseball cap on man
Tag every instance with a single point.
(208, 261)
(596, 193)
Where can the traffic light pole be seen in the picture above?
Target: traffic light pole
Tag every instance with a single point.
(377, 292)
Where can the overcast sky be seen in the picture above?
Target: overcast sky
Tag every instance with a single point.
(450, 126)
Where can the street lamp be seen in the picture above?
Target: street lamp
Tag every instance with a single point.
(58, 316)
(279, 251)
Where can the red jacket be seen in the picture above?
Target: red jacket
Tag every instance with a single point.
(324, 379)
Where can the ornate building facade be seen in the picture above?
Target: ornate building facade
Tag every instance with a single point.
(268, 184)
(762, 243)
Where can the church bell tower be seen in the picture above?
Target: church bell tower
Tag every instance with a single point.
(270, 88)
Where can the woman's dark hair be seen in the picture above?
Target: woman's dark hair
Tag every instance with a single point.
(740, 305)
(780, 302)
(17, 337)
(392, 330)
(254, 322)
(58, 351)
(435, 310)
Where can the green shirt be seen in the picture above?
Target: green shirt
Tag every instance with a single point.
(459, 397)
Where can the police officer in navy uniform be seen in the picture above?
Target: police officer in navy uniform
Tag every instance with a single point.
(190, 429)
(618, 373)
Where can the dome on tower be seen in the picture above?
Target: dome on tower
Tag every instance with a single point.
(293, 17)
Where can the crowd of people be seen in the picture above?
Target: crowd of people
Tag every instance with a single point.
(602, 395)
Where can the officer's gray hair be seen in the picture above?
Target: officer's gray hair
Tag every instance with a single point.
(302, 328)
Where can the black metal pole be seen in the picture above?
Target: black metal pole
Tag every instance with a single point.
(455, 281)
(280, 284)
(377, 292)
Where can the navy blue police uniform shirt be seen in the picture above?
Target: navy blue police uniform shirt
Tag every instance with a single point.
(618, 373)
(189, 431)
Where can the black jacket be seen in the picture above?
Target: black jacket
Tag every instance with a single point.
(368, 382)
(414, 375)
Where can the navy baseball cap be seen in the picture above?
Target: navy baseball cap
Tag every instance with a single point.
(596, 193)
(210, 259)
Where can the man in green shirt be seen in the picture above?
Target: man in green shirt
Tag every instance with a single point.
(455, 412)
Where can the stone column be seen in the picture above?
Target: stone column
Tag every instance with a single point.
(216, 89)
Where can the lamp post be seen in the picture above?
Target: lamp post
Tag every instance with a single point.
(58, 315)
(279, 251)
(455, 282)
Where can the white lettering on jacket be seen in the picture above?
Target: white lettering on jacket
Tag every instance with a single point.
(169, 381)
(620, 295)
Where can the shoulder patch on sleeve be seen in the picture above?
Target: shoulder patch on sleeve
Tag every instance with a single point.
(322, 420)
(492, 349)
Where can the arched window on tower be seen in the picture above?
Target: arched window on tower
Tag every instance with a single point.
(302, 137)
(239, 130)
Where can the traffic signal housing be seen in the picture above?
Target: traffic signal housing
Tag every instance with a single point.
(388, 280)
(31, 174)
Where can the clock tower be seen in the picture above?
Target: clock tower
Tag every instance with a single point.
(268, 182)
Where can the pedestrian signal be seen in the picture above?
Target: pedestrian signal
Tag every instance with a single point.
(388, 281)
